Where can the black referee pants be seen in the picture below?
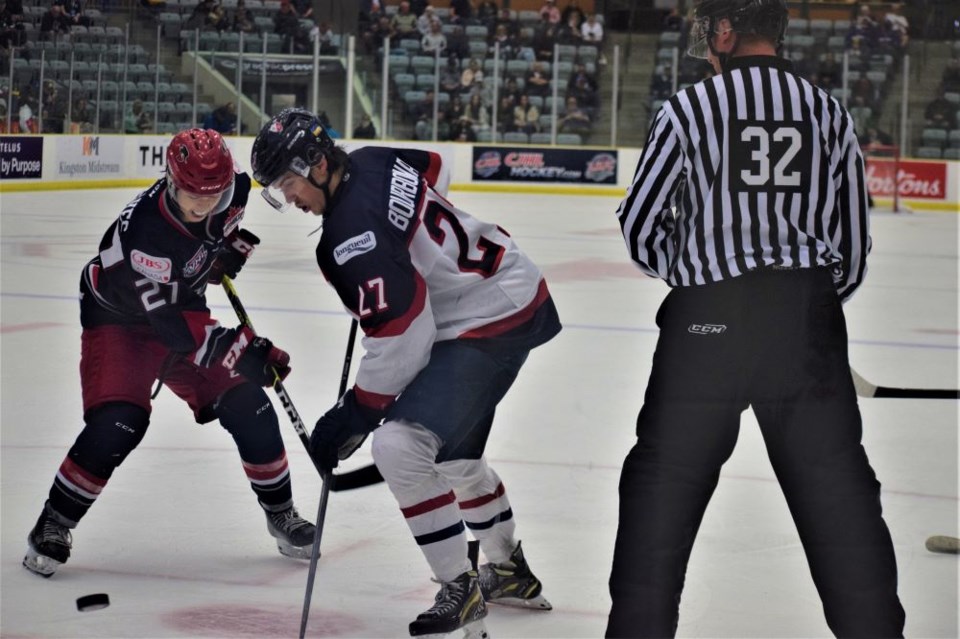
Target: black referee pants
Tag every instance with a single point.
(774, 340)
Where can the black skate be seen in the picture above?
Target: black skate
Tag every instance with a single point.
(459, 607)
(293, 533)
(512, 584)
(48, 545)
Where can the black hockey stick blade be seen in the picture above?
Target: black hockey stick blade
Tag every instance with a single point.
(866, 389)
(359, 478)
(944, 544)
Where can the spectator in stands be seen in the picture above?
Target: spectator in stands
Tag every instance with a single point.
(243, 19)
(54, 107)
(27, 122)
(369, 13)
(12, 32)
(404, 22)
(549, 12)
(506, 20)
(423, 108)
(673, 21)
(487, 12)
(830, 72)
(940, 113)
(476, 113)
(365, 130)
(862, 35)
(592, 32)
(661, 84)
(82, 116)
(575, 119)
(450, 76)
(569, 32)
(864, 89)
(526, 116)
(222, 119)
(303, 8)
(217, 18)
(286, 24)
(324, 34)
(461, 11)
(874, 137)
(505, 108)
(951, 76)
(54, 23)
(585, 95)
(896, 23)
(455, 108)
(537, 81)
(544, 37)
(573, 8)
(511, 89)
(471, 75)
(378, 32)
(137, 120)
(425, 18)
(457, 43)
(435, 41)
(73, 10)
(507, 43)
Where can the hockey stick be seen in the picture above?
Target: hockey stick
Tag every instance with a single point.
(866, 389)
(359, 478)
(277, 383)
(325, 493)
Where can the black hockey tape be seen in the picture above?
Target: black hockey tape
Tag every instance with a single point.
(93, 602)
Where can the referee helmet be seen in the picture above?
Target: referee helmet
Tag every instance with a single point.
(761, 18)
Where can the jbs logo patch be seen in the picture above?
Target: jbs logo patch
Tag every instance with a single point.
(355, 246)
(706, 329)
(195, 262)
(157, 269)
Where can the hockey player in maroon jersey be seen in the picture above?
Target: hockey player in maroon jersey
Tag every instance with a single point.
(145, 318)
(450, 308)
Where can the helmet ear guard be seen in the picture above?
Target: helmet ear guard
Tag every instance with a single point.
(759, 18)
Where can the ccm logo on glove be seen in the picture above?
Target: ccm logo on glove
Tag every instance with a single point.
(256, 358)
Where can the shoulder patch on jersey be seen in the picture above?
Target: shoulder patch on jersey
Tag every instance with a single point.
(157, 269)
(195, 262)
(234, 215)
(357, 245)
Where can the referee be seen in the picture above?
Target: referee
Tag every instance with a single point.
(750, 201)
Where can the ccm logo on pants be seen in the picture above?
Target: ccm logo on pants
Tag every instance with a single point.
(706, 329)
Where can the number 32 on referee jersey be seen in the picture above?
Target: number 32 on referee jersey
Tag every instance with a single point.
(773, 157)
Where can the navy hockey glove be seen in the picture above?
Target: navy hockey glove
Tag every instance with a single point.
(236, 251)
(256, 358)
(340, 432)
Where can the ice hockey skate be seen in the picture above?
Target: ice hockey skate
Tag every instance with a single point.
(458, 611)
(48, 545)
(293, 533)
(512, 584)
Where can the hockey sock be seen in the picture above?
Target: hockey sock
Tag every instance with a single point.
(247, 414)
(110, 433)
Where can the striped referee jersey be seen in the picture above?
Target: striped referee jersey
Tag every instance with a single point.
(753, 168)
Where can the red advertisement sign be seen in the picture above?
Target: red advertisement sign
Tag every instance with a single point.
(916, 180)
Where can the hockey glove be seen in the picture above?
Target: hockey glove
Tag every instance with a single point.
(256, 358)
(236, 251)
(340, 432)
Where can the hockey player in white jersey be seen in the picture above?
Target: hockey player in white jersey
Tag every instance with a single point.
(449, 308)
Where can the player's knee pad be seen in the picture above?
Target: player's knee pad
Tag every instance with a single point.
(404, 453)
(110, 433)
(246, 413)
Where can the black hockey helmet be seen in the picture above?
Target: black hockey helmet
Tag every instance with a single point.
(763, 18)
(294, 140)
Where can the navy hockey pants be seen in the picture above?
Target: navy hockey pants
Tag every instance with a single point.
(774, 340)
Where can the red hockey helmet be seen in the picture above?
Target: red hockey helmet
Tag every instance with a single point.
(199, 163)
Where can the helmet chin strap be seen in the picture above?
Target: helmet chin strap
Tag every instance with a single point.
(325, 187)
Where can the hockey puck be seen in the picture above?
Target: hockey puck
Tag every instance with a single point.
(93, 602)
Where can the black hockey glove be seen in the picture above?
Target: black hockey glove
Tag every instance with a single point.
(256, 358)
(340, 432)
(236, 251)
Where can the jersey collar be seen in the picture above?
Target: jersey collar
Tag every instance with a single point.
(742, 62)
